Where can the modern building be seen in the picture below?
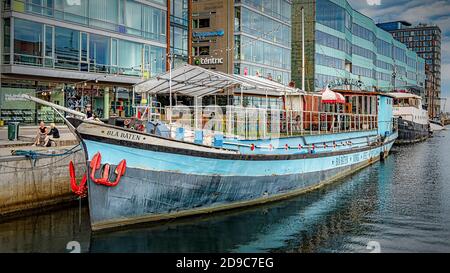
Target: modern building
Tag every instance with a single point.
(180, 34)
(425, 40)
(345, 49)
(85, 52)
(246, 37)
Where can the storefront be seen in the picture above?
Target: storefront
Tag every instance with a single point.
(15, 108)
(105, 100)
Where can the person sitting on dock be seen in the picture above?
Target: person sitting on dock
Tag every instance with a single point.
(54, 132)
(42, 137)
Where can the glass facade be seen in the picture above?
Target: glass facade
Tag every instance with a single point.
(76, 50)
(329, 40)
(363, 32)
(260, 25)
(179, 31)
(331, 15)
(123, 16)
(329, 61)
(83, 43)
(265, 53)
(263, 39)
(278, 9)
(348, 45)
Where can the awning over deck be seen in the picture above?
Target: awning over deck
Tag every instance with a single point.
(198, 82)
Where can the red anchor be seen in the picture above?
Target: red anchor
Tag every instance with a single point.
(104, 180)
(80, 190)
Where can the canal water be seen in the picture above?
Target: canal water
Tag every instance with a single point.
(400, 205)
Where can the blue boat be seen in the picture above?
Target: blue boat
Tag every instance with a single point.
(184, 160)
(170, 173)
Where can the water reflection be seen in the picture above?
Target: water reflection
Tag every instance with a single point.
(308, 221)
(46, 232)
(403, 203)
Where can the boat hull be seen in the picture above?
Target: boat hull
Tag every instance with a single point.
(411, 132)
(436, 126)
(150, 199)
(163, 181)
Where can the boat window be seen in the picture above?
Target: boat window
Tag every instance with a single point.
(374, 105)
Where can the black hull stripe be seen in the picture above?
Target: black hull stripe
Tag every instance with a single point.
(165, 149)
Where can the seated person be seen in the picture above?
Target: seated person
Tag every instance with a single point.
(53, 131)
(42, 138)
(89, 114)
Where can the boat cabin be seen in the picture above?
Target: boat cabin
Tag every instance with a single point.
(407, 100)
(194, 101)
(409, 107)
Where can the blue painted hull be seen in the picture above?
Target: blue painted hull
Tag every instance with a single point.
(161, 185)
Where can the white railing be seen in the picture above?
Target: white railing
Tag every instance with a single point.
(257, 123)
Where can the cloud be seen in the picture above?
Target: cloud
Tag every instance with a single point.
(374, 2)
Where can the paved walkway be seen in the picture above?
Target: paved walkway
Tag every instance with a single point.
(26, 139)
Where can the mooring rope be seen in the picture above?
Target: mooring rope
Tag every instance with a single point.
(35, 155)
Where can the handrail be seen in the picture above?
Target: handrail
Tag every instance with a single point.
(74, 65)
(252, 123)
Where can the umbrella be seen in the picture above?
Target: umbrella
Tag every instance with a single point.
(331, 97)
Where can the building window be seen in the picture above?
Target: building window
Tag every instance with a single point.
(28, 42)
(203, 50)
(67, 48)
(49, 46)
(330, 15)
(67, 11)
(328, 40)
(329, 61)
(363, 32)
(6, 41)
(105, 13)
(99, 53)
(130, 57)
(201, 23)
(383, 47)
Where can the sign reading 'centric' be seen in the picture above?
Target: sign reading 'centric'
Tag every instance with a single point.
(209, 61)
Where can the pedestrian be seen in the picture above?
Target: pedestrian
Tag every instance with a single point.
(54, 132)
(89, 114)
(42, 137)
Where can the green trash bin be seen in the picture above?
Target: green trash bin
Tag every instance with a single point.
(13, 131)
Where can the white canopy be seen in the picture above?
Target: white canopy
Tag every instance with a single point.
(197, 81)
